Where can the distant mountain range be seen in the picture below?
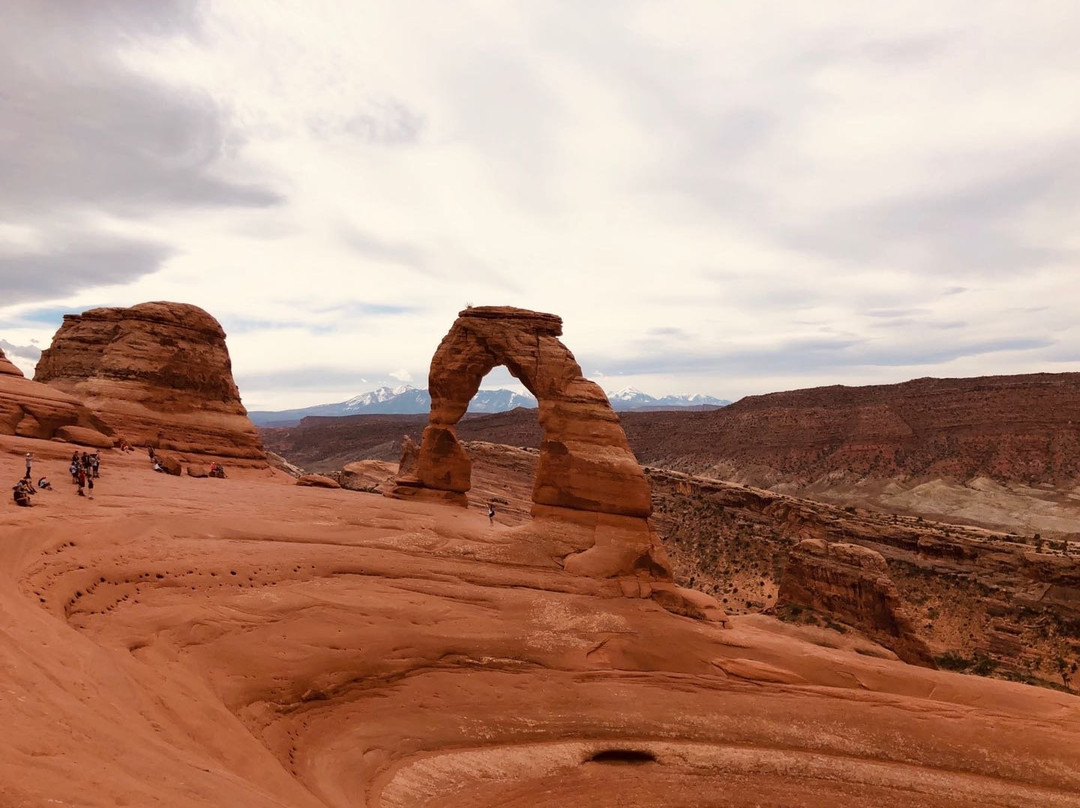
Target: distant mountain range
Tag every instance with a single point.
(406, 399)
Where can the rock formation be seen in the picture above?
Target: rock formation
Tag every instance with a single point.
(33, 410)
(974, 594)
(317, 481)
(585, 461)
(1007, 428)
(851, 584)
(159, 374)
(586, 476)
(6, 368)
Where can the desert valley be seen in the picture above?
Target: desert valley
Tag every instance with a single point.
(827, 597)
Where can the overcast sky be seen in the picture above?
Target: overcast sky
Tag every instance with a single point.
(722, 198)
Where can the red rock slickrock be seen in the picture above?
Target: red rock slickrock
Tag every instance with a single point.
(159, 374)
(586, 472)
(1022, 428)
(199, 643)
(35, 410)
(851, 584)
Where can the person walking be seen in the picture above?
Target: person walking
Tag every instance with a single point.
(491, 513)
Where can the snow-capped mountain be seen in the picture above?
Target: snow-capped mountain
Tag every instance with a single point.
(405, 399)
(630, 398)
(377, 396)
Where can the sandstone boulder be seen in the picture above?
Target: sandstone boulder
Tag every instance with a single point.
(159, 373)
(368, 475)
(851, 584)
(317, 481)
(170, 463)
(85, 436)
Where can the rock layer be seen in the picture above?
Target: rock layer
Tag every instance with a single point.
(1007, 428)
(974, 594)
(158, 373)
(851, 584)
(33, 410)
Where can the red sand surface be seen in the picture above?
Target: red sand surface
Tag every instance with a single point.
(246, 642)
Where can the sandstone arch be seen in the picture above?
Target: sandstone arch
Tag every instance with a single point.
(585, 460)
(591, 499)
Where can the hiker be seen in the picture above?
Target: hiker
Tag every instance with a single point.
(73, 469)
(150, 452)
(21, 493)
(95, 463)
(491, 513)
(217, 470)
(81, 480)
(159, 467)
(44, 484)
(29, 463)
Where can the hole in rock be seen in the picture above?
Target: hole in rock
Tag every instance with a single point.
(630, 756)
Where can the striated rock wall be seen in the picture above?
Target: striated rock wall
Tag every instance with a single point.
(33, 410)
(972, 593)
(1008, 428)
(851, 584)
(158, 374)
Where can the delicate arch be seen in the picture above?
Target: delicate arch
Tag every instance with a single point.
(585, 460)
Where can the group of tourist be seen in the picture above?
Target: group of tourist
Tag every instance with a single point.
(84, 470)
(85, 467)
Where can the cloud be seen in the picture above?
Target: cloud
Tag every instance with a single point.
(973, 229)
(401, 375)
(402, 254)
(87, 263)
(812, 355)
(31, 353)
(83, 137)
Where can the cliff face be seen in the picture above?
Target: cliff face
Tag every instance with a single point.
(972, 594)
(158, 373)
(851, 584)
(1007, 428)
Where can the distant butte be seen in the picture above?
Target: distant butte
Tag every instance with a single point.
(158, 374)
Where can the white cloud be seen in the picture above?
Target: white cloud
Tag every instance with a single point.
(401, 375)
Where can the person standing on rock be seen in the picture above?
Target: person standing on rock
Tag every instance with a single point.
(29, 463)
(491, 513)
